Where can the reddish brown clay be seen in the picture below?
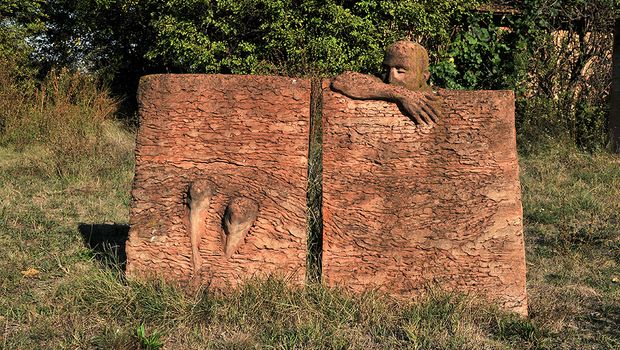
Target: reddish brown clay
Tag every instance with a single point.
(410, 206)
(220, 189)
(208, 142)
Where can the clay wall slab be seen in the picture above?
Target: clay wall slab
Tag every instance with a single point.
(246, 136)
(406, 207)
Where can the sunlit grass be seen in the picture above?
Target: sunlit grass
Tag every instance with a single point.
(572, 227)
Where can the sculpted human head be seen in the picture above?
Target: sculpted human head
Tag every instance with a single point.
(406, 64)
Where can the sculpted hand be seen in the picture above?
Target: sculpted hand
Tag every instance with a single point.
(423, 108)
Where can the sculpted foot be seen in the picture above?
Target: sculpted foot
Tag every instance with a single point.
(239, 216)
(200, 194)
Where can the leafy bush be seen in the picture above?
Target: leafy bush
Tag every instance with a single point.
(556, 55)
(291, 37)
(20, 20)
(480, 55)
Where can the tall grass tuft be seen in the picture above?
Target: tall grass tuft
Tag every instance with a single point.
(67, 117)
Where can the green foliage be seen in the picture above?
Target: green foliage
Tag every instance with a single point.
(148, 342)
(564, 89)
(480, 56)
(19, 21)
(307, 37)
(556, 56)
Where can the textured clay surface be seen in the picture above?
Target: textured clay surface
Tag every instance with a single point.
(406, 207)
(209, 145)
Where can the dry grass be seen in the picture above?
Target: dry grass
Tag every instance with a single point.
(76, 302)
(572, 215)
(67, 116)
(72, 300)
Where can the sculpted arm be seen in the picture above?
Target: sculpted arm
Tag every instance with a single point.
(421, 107)
(362, 87)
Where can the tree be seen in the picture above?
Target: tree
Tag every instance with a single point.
(566, 82)
(614, 113)
(20, 20)
(123, 39)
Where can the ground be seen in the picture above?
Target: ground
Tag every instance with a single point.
(59, 289)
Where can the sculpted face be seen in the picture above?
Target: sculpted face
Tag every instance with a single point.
(406, 64)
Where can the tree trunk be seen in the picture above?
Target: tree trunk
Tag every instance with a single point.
(614, 112)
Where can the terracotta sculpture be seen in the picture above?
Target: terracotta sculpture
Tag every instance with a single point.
(220, 193)
(199, 200)
(239, 216)
(405, 83)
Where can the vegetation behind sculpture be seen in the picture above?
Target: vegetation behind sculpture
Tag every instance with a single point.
(562, 81)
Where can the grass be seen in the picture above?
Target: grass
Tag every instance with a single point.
(58, 292)
(571, 203)
(572, 229)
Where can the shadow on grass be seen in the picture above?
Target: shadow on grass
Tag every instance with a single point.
(605, 319)
(107, 242)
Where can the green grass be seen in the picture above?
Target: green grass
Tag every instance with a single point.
(572, 228)
(571, 203)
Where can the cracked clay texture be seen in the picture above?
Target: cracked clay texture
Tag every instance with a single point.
(406, 207)
(246, 135)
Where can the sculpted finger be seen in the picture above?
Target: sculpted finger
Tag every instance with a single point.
(434, 109)
(413, 113)
(336, 85)
(430, 113)
(417, 118)
(428, 120)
